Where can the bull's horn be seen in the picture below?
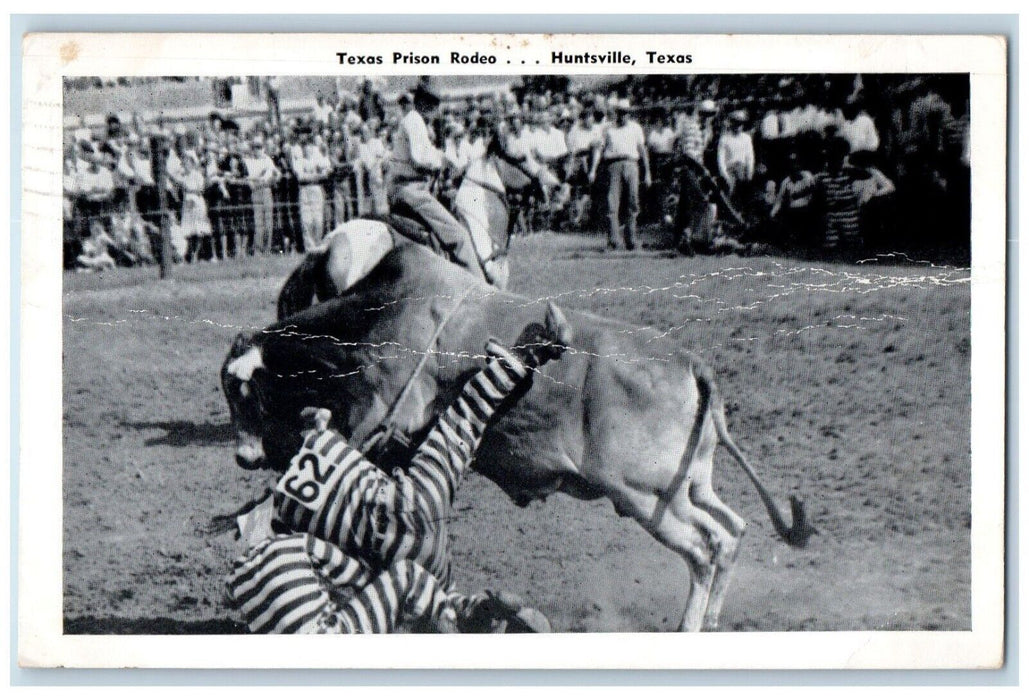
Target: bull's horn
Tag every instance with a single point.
(240, 344)
(558, 326)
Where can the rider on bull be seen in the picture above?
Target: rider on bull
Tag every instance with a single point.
(414, 161)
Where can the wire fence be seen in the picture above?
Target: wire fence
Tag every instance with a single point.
(286, 217)
(231, 220)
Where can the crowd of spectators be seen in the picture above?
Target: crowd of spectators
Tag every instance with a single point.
(819, 163)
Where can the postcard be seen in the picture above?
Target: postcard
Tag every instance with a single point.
(627, 351)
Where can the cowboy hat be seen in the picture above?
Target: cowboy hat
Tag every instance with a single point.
(424, 94)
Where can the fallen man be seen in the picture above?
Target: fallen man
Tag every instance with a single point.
(360, 550)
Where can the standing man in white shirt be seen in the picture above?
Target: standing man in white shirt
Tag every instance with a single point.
(262, 173)
(371, 153)
(414, 159)
(583, 137)
(621, 150)
(311, 168)
(736, 152)
(550, 147)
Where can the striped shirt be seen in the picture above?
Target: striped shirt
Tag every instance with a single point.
(582, 140)
(383, 517)
(353, 524)
(841, 209)
(694, 139)
(796, 189)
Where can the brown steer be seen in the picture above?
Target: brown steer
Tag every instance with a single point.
(622, 415)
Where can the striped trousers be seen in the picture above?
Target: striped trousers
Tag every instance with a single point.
(381, 538)
(298, 584)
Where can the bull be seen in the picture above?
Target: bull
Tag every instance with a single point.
(623, 415)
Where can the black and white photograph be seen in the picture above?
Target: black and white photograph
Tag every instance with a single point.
(599, 339)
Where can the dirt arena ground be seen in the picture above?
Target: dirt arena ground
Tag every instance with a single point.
(848, 385)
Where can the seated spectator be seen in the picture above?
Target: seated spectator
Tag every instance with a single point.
(135, 236)
(122, 237)
(96, 249)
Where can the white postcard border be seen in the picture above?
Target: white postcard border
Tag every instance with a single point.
(48, 58)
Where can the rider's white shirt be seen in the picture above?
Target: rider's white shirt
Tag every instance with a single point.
(413, 151)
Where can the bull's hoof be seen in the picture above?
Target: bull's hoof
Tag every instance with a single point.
(710, 624)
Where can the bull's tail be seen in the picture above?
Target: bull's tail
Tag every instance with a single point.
(800, 531)
(300, 288)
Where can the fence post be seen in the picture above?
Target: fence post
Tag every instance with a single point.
(158, 148)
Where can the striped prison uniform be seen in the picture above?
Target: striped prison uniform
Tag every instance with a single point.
(299, 584)
(371, 518)
(842, 225)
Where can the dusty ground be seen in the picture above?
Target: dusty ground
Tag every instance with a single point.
(847, 384)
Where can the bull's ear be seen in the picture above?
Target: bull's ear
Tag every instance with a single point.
(240, 345)
(558, 326)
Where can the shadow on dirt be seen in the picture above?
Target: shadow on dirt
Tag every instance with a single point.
(658, 241)
(181, 433)
(153, 625)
